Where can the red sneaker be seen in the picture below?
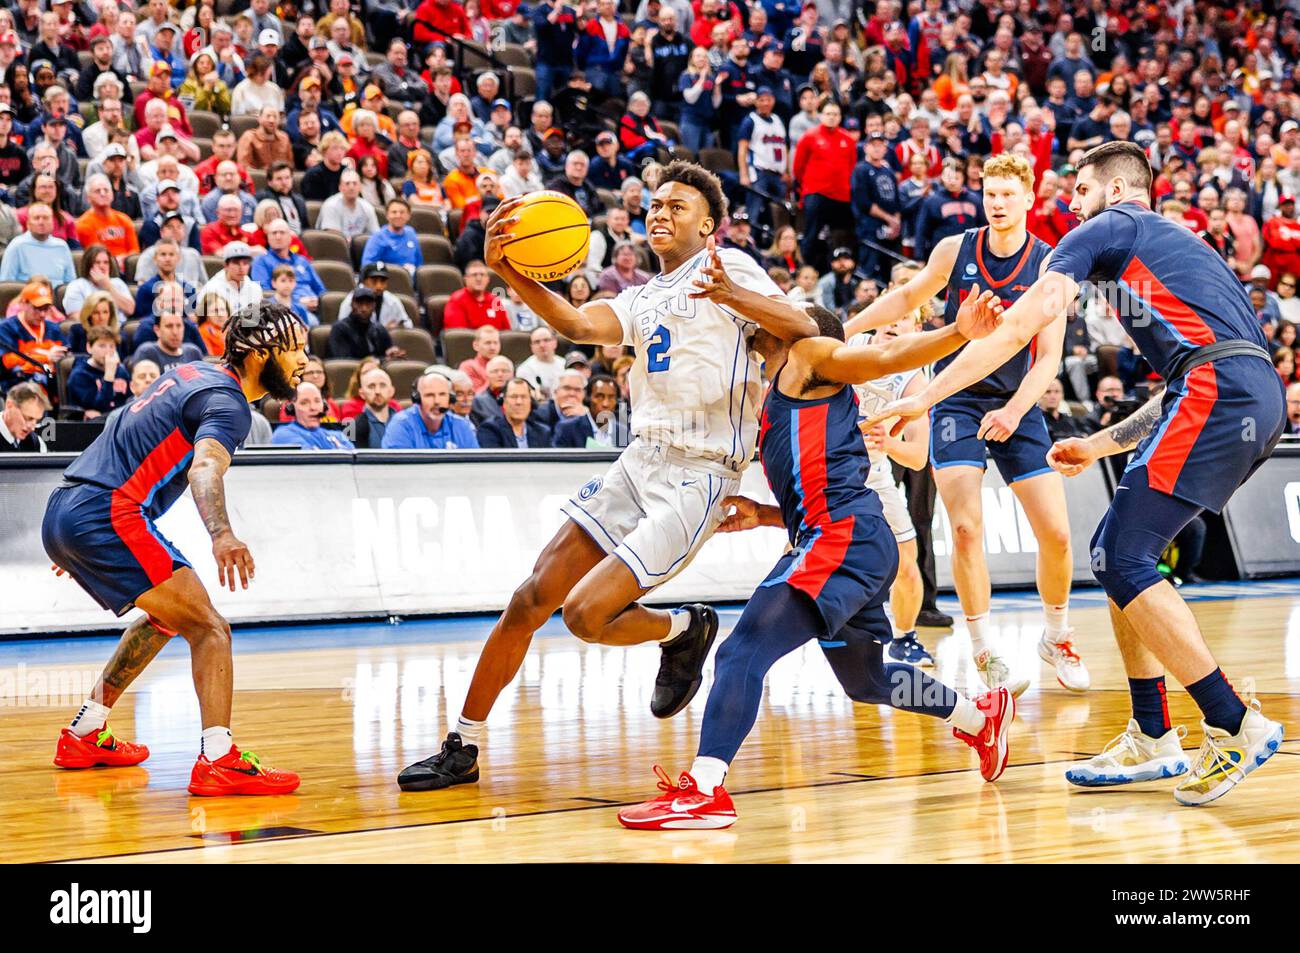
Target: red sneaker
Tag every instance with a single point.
(999, 707)
(239, 772)
(97, 748)
(682, 806)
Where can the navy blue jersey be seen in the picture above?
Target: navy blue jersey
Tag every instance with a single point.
(144, 453)
(872, 185)
(815, 459)
(1010, 278)
(1170, 289)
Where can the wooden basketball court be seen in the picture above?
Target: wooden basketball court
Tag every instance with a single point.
(572, 739)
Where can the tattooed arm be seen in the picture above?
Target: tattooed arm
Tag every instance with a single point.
(207, 485)
(1074, 455)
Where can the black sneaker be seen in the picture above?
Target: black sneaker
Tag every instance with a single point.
(456, 763)
(934, 619)
(682, 664)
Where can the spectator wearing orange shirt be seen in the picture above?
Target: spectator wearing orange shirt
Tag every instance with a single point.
(461, 183)
(473, 306)
(104, 225)
(487, 345)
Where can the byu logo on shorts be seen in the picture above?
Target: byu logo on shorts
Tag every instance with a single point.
(970, 269)
(590, 488)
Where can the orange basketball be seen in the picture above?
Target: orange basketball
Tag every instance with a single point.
(551, 236)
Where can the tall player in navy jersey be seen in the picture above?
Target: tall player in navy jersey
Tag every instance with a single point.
(998, 413)
(1217, 421)
(100, 528)
(833, 583)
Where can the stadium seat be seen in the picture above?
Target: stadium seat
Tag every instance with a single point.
(433, 308)
(453, 222)
(241, 124)
(76, 259)
(404, 375)
(58, 297)
(525, 80)
(357, 248)
(607, 197)
(313, 211)
(515, 55)
(259, 180)
(67, 410)
(374, 59)
(514, 345)
(436, 250)
(412, 309)
(336, 275)
(717, 160)
(417, 343)
(204, 123)
(681, 152)
(339, 371)
(475, 58)
(271, 410)
(438, 280)
(330, 302)
(671, 130)
(128, 334)
(128, 270)
(425, 221)
(204, 146)
(213, 264)
(326, 246)
(10, 290)
(317, 338)
(457, 345)
(399, 281)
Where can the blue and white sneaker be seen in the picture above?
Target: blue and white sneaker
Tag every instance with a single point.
(1224, 760)
(908, 649)
(1132, 757)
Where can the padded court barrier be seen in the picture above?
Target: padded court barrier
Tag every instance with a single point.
(375, 533)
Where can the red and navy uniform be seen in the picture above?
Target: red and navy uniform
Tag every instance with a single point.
(844, 556)
(1175, 295)
(100, 523)
(955, 421)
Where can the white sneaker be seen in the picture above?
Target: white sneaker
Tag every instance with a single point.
(1224, 760)
(997, 674)
(1070, 670)
(1132, 757)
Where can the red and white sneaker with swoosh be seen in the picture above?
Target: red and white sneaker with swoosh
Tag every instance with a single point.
(98, 749)
(682, 807)
(999, 708)
(239, 772)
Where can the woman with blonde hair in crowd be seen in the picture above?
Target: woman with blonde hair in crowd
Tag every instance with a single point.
(952, 82)
(784, 252)
(97, 311)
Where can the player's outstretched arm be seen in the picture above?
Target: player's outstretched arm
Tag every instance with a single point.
(207, 486)
(1046, 299)
(748, 514)
(1000, 424)
(895, 305)
(912, 449)
(594, 323)
(1071, 457)
(853, 364)
(777, 316)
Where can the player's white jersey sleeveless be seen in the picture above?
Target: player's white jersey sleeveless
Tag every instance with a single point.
(695, 384)
(873, 395)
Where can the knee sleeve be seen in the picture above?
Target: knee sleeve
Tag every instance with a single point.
(1138, 527)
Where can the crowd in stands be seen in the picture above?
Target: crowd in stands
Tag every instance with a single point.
(163, 166)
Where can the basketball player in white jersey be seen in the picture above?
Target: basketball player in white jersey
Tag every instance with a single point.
(695, 404)
(912, 450)
(1000, 417)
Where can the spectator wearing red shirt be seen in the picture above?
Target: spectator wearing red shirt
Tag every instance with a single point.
(160, 87)
(447, 15)
(474, 306)
(919, 144)
(823, 171)
(487, 345)
(1282, 241)
(365, 129)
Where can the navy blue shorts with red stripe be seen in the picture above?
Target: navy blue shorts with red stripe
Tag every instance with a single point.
(1219, 423)
(108, 544)
(954, 441)
(846, 567)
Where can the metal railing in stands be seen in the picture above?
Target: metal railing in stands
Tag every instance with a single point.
(462, 46)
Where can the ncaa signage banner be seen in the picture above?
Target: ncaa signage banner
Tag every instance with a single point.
(1263, 517)
(375, 533)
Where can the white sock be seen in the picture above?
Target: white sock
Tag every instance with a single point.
(678, 620)
(471, 732)
(1058, 621)
(975, 625)
(966, 716)
(92, 717)
(709, 773)
(217, 742)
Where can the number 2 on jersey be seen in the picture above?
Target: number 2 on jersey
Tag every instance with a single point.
(657, 358)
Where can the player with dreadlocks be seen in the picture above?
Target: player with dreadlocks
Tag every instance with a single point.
(100, 529)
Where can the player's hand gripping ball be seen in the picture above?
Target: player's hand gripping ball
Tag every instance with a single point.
(549, 238)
